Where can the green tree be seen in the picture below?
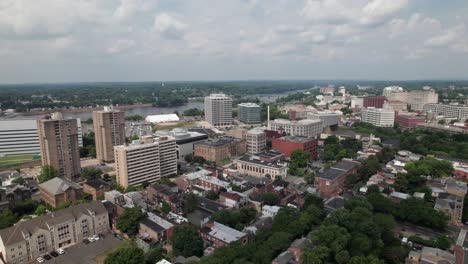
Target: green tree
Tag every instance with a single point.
(40, 210)
(165, 208)
(300, 158)
(270, 198)
(7, 218)
(212, 195)
(18, 181)
(154, 255)
(128, 221)
(47, 172)
(89, 173)
(443, 242)
(190, 203)
(128, 254)
(186, 241)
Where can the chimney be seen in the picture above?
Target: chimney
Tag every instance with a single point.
(268, 116)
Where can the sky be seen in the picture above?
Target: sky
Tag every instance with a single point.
(161, 40)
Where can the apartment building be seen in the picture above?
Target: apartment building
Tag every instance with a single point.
(109, 131)
(378, 116)
(27, 240)
(331, 182)
(259, 168)
(59, 145)
(249, 113)
(288, 144)
(59, 190)
(460, 112)
(145, 161)
(306, 127)
(217, 150)
(218, 110)
(329, 118)
(255, 140)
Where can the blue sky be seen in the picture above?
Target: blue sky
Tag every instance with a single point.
(145, 40)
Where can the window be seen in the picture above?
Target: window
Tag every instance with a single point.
(63, 231)
(84, 228)
(41, 242)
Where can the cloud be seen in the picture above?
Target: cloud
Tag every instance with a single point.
(129, 8)
(120, 45)
(169, 27)
(445, 38)
(377, 11)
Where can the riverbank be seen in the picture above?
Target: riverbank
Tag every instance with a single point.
(83, 109)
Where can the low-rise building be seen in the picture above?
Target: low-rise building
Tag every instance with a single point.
(60, 190)
(453, 130)
(306, 127)
(155, 227)
(331, 181)
(11, 196)
(259, 168)
(96, 187)
(379, 117)
(217, 150)
(168, 193)
(460, 112)
(270, 210)
(233, 199)
(451, 202)
(288, 144)
(329, 118)
(27, 240)
(218, 235)
(409, 121)
(212, 183)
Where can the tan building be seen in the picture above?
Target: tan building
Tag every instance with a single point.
(256, 141)
(145, 161)
(109, 130)
(26, 241)
(260, 168)
(60, 190)
(58, 139)
(217, 150)
(218, 110)
(97, 188)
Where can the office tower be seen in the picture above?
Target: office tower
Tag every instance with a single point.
(249, 113)
(380, 117)
(109, 131)
(58, 139)
(218, 110)
(145, 160)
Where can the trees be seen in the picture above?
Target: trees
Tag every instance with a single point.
(186, 241)
(235, 218)
(300, 157)
(429, 167)
(7, 218)
(190, 203)
(420, 212)
(18, 181)
(270, 198)
(47, 172)
(128, 254)
(89, 173)
(212, 195)
(128, 222)
(89, 146)
(165, 208)
(40, 210)
(369, 167)
(154, 255)
(193, 112)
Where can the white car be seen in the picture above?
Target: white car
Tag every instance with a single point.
(40, 259)
(91, 239)
(61, 251)
(96, 237)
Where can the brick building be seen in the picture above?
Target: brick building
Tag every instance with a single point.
(331, 181)
(96, 188)
(374, 101)
(60, 190)
(217, 150)
(288, 144)
(409, 121)
(165, 193)
(218, 235)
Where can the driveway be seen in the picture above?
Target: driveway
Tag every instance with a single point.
(85, 254)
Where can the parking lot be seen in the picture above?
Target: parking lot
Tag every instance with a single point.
(85, 254)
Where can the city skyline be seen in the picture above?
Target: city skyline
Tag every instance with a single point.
(94, 41)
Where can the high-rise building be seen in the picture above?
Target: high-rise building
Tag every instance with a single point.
(459, 112)
(145, 161)
(59, 145)
(218, 110)
(380, 117)
(249, 113)
(256, 141)
(109, 131)
(306, 127)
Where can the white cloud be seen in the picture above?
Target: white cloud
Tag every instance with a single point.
(445, 38)
(377, 11)
(129, 8)
(169, 27)
(120, 45)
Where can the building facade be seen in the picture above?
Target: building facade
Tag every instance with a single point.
(145, 161)
(329, 118)
(259, 168)
(60, 149)
(331, 182)
(59, 190)
(255, 140)
(378, 116)
(32, 238)
(409, 121)
(185, 140)
(218, 110)
(374, 101)
(288, 144)
(306, 127)
(249, 113)
(217, 150)
(109, 131)
(459, 112)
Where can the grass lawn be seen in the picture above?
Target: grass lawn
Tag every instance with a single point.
(16, 159)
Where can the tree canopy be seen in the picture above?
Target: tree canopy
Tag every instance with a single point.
(128, 221)
(186, 241)
(128, 254)
(47, 172)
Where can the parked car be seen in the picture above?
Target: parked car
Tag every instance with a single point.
(40, 259)
(101, 235)
(47, 256)
(91, 239)
(61, 251)
(86, 241)
(95, 237)
(54, 254)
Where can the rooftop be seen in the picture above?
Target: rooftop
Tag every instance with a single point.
(249, 105)
(216, 142)
(296, 122)
(96, 183)
(262, 163)
(59, 185)
(225, 233)
(298, 139)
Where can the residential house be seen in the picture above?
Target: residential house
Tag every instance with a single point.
(233, 199)
(165, 193)
(218, 235)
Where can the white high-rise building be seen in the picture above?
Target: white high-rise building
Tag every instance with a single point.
(218, 110)
(380, 117)
(145, 161)
(256, 141)
(459, 112)
(306, 127)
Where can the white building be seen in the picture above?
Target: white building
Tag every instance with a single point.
(218, 110)
(256, 141)
(270, 211)
(162, 118)
(306, 127)
(145, 161)
(20, 137)
(184, 139)
(378, 116)
(460, 112)
(329, 118)
(415, 99)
